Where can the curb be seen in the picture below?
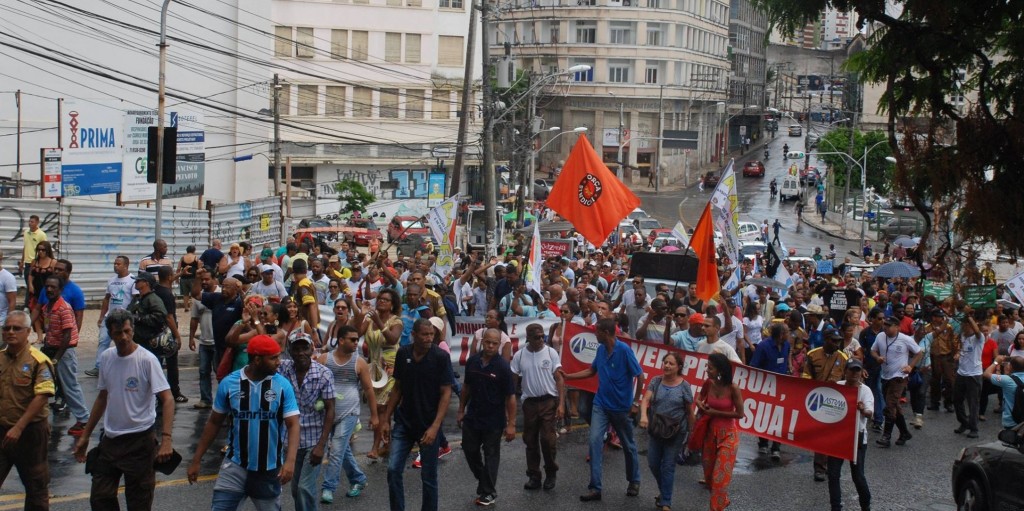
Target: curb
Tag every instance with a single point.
(826, 231)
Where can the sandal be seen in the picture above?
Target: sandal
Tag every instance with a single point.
(180, 399)
(372, 456)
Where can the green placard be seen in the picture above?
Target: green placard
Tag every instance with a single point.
(980, 297)
(940, 290)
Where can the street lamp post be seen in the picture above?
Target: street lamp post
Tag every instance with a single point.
(862, 164)
(161, 108)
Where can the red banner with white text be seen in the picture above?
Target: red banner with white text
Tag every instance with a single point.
(820, 417)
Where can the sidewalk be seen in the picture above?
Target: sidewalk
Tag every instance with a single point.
(832, 225)
(640, 184)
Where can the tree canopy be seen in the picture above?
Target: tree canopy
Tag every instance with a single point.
(953, 73)
(353, 196)
(879, 170)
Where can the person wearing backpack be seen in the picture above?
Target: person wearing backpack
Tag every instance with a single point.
(1012, 386)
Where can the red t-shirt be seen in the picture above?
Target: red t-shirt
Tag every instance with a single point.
(988, 352)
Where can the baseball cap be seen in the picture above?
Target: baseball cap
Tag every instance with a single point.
(266, 253)
(622, 272)
(298, 336)
(334, 259)
(606, 263)
(146, 277)
(891, 320)
(854, 364)
(264, 268)
(592, 288)
(696, 317)
(782, 307)
(437, 322)
(263, 345)
(832, 333)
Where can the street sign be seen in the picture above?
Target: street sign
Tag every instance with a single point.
(679, 139)
(440, 152)
(980, 297)
(51, 172)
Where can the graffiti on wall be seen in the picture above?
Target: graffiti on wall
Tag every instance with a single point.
(389, 184)
(48, 223)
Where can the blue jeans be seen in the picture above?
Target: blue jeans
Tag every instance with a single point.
(103, 345)
(67, 371)
(623, 426)
(341, 456)
(207, 365)
(661, 458)
(402, 441)
(304, 482)
(875, 384)
(235, 483)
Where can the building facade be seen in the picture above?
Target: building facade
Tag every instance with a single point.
(379, 85)
(748, 27)
(654, 65)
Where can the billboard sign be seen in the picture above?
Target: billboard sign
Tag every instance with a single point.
(91, 162)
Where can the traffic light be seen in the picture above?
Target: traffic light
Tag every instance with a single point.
(169, 155)
(795, 155)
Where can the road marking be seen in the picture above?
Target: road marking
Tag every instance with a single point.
(82, 496)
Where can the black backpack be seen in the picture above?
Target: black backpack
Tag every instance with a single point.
(1018, 401)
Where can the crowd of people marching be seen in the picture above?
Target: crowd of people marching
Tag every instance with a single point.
(288, 385)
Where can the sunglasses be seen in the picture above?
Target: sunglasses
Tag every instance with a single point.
(680, 314)
(14, 328)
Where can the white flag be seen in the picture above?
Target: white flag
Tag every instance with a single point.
(536, 262)
(679, 231)
(1016, 286)
(726, 214)
(441, 220)
(734, 280)
(784, 276)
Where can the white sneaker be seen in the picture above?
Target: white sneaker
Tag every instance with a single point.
(918, 421)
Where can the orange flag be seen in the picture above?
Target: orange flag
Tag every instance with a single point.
(703, 244)
(589, 195)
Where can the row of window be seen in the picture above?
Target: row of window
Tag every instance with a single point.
(443, 4)
(363, 45)
(709, 9)
(655, 34)
(655, 72)
(364, 102)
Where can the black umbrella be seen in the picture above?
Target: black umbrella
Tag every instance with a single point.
(765, 282)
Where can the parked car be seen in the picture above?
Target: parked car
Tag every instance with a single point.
(629, 231)
(662, 242)
(711, 180)
(637, 213)
(790, 188)
(408, 245)
(988, 477)
(541, 189)
(753, 169)
(646, 226)
(748, 231)
(900, 225)
(657, 233)
(809, 175)
(362, 239)
(795, 130)
(750, 248)
(317, 223)
(402, 226)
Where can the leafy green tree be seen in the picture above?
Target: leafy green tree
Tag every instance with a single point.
(353, 197)
(879, 170)
(953, 73)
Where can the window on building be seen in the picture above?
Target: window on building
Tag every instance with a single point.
(389, 103)
(618, 71)
(553, 33)
(360, 45)
(334, 101)
(339, 44)
(412, 48)
(586, 32)
(362, 2)
(440, 104)
(449, 50)
(653, 72)
(450, 4)
(655, 4)
(395, 3)
(414, 3)
(414, 103)
(304, 46)
(308, 95)
(362, 101)
(583, 76)
(655, 34)
(621, 33)
(392, 47)
(283, 42)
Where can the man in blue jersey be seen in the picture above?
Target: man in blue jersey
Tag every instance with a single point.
(259, 401)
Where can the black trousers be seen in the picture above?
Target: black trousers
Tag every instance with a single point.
(483, 453)
(835, 470)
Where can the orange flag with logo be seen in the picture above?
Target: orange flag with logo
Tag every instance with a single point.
(703, 244)
(589, 195)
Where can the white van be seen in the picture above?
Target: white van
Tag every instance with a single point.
(790, 188)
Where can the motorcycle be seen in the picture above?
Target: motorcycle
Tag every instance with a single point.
(785, 152)
(766, 153)
(774, 189)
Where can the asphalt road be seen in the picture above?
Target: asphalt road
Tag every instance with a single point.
(913, 477)
(754, 201)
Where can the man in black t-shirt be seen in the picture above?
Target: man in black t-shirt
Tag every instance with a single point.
(418, 402)
(225, 307)
(165, 291)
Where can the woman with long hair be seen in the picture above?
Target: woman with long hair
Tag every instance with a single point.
(233, 263)
(381, 328)
(40, 270)
(720, 400)
(670, 396)
(188, 267)
(1017, 348)
(753, 322)
(290, 321)
(342, 316)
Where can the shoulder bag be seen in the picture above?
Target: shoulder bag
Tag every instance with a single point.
(661, 426)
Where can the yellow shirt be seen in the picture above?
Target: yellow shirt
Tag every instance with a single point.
(32, 240)
(22, 378)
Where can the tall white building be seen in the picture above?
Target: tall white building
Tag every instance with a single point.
(377, 85)
(217, 68)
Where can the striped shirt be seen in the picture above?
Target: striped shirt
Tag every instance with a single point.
(318, 385)
(256, 432)
(60, 317)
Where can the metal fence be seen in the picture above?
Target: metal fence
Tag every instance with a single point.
(92, 235)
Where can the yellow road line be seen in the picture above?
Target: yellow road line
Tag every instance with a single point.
(82, 496)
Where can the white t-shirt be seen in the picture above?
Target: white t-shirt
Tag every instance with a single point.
(274, 289)
(865, 396)
(897, 353)
(465, 291)
(752, 329)
(120, 290)
(7, 285)
(719, 346)
(132, 384)
(205, 317)
(480, 299)
(322, 285)
(730, 338)
(970, 355)
(537, 370)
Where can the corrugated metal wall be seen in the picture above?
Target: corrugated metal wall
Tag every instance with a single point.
(14, 214)
(257, 222)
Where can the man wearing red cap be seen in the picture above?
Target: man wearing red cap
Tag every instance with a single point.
(688, 339)
(259, 400)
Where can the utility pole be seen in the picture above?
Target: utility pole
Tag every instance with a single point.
(622, 163)
(661, 133)
(277, 136)
(490, 189)
(846, 190)
(467, 92)
(60, 108)
(17, 152)
(531, 118)
(161, 108)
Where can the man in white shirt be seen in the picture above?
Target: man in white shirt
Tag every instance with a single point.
(130, 381)
(538, 370)
(202, 319)
(865, 409)
(714, 344)
(120, 289)
(893, 351)
(268, 286)
(8, 292)
(967, 386)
